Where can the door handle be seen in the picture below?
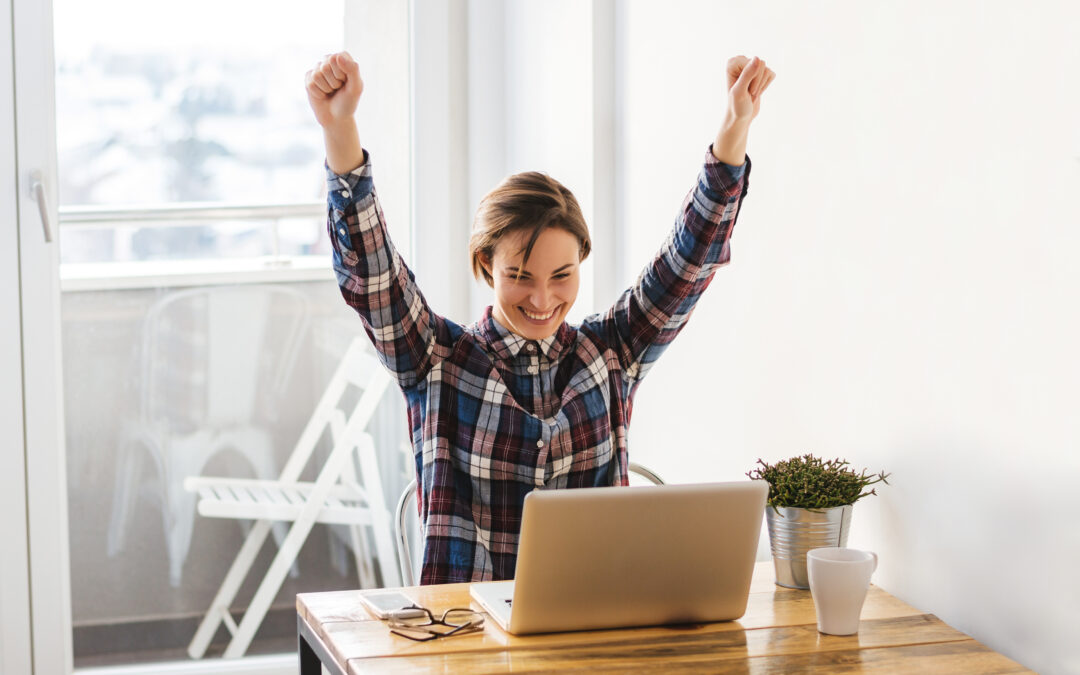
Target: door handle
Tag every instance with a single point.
(37, 188)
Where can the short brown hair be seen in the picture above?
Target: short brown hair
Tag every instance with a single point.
(530, 201)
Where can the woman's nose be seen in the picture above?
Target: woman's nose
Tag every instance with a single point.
(540, 297)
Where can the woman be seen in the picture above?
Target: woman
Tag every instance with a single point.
(519, 400)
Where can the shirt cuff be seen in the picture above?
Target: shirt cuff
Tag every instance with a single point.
(735, 171)
(725, 181)
(353, 186)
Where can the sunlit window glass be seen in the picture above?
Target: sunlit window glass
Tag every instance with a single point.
(188, 103)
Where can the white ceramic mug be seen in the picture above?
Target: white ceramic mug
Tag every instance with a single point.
(839, 578)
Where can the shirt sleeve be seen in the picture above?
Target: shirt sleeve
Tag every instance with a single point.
(649, 314)
(375, 281)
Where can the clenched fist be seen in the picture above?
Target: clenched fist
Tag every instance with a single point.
(333, 88)
(747, 80)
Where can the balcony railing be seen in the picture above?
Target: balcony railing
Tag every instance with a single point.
(191, 212)
(276, 265)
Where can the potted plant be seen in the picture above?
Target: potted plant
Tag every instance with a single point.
(809, 507)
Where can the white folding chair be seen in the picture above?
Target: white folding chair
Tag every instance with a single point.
(214, 366)
(337, 496)
(406, 512)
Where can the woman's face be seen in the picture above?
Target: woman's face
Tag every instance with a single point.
(532, 299)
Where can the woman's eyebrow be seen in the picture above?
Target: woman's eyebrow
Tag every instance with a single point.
(521, 272)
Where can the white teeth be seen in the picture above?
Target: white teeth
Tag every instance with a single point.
(538, 317)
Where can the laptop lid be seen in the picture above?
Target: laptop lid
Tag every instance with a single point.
(634, 556)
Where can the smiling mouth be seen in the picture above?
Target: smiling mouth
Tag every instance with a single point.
(538, 317)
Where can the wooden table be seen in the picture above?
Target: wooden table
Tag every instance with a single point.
(778, 634)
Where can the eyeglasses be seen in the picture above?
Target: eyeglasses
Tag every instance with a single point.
(426, 627)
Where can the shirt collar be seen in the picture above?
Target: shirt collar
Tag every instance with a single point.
(508, 345)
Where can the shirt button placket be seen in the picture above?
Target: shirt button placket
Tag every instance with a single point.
(534, 361)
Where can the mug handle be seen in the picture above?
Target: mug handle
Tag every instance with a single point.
(875, 561)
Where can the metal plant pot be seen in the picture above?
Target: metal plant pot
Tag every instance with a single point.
(794, 531)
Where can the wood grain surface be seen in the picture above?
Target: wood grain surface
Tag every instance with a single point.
(778, 634)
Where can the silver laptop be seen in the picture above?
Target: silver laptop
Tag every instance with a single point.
(630, 556)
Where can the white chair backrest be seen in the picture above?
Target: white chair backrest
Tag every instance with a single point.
(211, 356)
(235, 325)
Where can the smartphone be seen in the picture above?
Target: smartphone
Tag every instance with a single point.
(390, 604)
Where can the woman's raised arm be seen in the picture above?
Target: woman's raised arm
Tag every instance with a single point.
(648, 316)
(374, 280)
(334, 88)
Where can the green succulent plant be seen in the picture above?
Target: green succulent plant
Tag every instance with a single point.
(811, 483)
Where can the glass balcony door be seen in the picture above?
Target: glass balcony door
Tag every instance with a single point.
(132, 235)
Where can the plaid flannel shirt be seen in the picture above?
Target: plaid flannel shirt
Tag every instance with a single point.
(494, 416)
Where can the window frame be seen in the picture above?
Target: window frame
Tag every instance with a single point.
(115, 275)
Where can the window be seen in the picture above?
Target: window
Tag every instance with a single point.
(189, 166)
(183, 133)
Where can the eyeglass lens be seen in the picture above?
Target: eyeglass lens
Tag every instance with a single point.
(424, 628)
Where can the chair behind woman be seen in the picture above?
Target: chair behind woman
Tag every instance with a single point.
(213, 368)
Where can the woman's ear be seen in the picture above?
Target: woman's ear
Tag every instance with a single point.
(485, 262)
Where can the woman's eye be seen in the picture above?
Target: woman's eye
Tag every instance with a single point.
(564, 275)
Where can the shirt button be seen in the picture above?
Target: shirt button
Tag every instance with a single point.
(530, 348)
(344, 193)
(342, 231)
(539, 444)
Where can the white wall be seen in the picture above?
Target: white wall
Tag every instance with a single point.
(439, 154)
(383, 115)
(530, 84)
(903, 289)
